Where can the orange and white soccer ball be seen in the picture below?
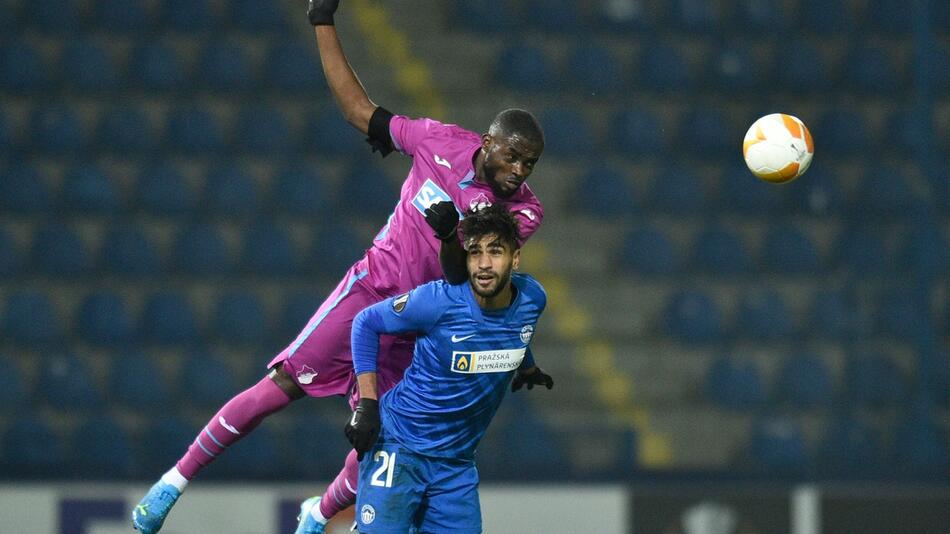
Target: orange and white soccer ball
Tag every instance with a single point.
(778, 148)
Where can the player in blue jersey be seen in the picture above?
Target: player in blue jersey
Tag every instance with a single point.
(421, 436)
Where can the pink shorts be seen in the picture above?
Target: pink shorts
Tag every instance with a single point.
(320, 361)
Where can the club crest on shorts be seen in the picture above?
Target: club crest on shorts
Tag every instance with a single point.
(399, 303)
(367, 514)
(306, 375)
(526, 332)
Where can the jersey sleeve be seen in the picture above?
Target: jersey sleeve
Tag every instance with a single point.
(416, 311)
(529, 220)
(528, 361)
(408, 133)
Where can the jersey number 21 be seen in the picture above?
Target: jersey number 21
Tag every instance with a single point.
(387, 466)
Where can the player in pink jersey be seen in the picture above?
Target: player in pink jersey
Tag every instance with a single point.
(453, 170)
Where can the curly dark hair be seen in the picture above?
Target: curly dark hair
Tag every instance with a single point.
(491, 220)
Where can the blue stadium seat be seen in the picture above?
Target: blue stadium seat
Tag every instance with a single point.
(157, 66)
(777, 447)
(886, 191)
(863, 251)
(63, 17)
(231, 190)
(289, 69)
(648, 251)
(11, 259)
(924, 250)
(23, 67)
(594, 69)
(225, 66)
(483, 16)
(31, 449)
(239, 318)
(14, 389)
(735, 385)
(88, 66)
(637, 132)
(566, 132)
(678, 189)
(335, 248)
(607, 193)
(195, 130)
(664, 68)
(120, 16)
(124, 130)
(804, 70)
(168, 318)
(301, 190)
(163, 190)
(57, 129)
(31, 319)
(890, 16)
(191, 16)
(692, 316)
(556, 16)
(763, 315)
(819, 194)
(263, 130)
(741, 192)
(830, 17)
(920, 445)
(909, 130)
(89, 190)
(941, 380)
(8, 141)
(207, 381)
(103, 318)
(524, 67)
(754, 16)
(874, 380)
(720, 252)
(733, 68)
(843, 131)
(269, 250)
(694, 16)
(202, 250)
(323, 439)
(804, 381)
(373, 208)
(103, 451)
(707, 132)
(296, 310)
(67, 384)
(850, 446)
(10, 19)
(832, 314)
(872, 69)
(329, 134)
(257, 17)
(163, 442)
(902, 315)
(135, 381)
(58, 250)
(941, 15)
(786, 249)
(256, 457)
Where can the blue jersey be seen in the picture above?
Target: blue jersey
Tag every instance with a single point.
(462, 364)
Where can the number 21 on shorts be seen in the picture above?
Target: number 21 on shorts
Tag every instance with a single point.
(387, 466)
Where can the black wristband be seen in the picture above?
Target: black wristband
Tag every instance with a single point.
(379, 137)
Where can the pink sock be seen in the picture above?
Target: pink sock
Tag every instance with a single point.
(235, 420)
(342, 493)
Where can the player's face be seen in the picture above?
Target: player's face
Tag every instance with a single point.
(508, 162)
(490, 262)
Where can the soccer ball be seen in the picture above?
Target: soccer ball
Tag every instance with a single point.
(778, 148)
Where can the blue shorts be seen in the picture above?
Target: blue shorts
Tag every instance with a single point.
(400, 490)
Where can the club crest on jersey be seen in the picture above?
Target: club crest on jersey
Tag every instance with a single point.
(479, 202)
(367, 514)
(526, 332)
(399, 303)
(429, 194)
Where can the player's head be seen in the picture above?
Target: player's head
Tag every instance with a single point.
(491, 238)
(511, 147)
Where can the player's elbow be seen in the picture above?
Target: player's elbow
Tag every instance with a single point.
(358, 115)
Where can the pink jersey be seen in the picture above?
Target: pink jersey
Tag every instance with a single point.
(405, 253)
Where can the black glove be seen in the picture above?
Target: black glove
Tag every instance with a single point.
(363, 428)
(443, 218)
(534, 378)
(320, 12)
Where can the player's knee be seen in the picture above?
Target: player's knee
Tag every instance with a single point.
(284, 381)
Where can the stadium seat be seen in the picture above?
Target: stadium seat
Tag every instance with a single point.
(763, 315)
(207, 381)
(163, 442)
(23, 67)
(323, 439)
(678, 189)
(263, 130)
(890, 16)
(255, 457)
(831, 17)
(777, 447)
(8, 141)
(11, 259)
(720, 252)
(31, 449)
(941, 379)
(863, 251)
(14, 389)
(530, 443)
(195, 130)
(924, 250)
(754, 15)
(231, 190)
(733, 68)
(157, 66)
(103, 318)
(555, 16)
(843, 131)
(636, 132)
(804, 381)
(742, 193)
(850, 446)
(239, 318)
(607, 193)
(820, 194)
(691, 316)
(901, 315)
(910, 130)
(805, 70)
(120, 16)
(525, 67)
(296, 310)
(289, 68)
(224, 66)
(886, 190)
(269, 250)
(788, 250)
(648, 251)
(64, 17)
(90, 191)
(31, 319)
(257, 17)
(663, 68)
(168, 318)
(873, 380)
(202, 250)
(373, 208)
(66, 383)
(593, 68)
(191, 16)
(735, 385)
(566, 132)
(872, 69)
(330, 135)
(58, 250)
(57, 129)
(163, 190)
(300, 190)
(104, 450)
(88, 66)
(693, 16)
(832, 314)
(707, 132)
(136, 382)
(124, 130)
(483, 16)
(335, 248)
(920, 445)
